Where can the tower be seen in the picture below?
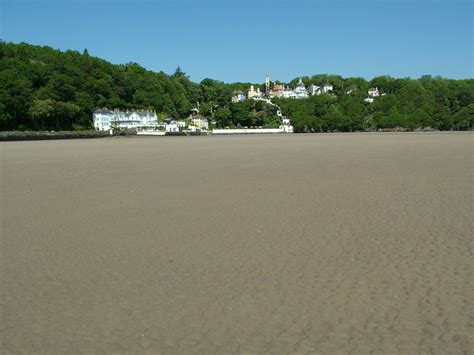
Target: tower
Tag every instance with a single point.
(267, 84)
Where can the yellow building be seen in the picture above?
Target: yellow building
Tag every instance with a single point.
(254, 94)
(199, 121)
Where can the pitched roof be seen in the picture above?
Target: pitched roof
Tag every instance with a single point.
(141, 113)
(198, 117)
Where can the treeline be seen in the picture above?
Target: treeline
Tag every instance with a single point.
(429, 102)
(46, 89)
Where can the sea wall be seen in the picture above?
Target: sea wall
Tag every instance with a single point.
(42, 135)
(247, 131)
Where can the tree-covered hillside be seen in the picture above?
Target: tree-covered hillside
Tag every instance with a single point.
(429, 102)
(45, 89)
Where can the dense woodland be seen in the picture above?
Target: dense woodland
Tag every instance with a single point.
(45, 89)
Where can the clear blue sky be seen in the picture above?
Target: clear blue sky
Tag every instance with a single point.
(241, 40)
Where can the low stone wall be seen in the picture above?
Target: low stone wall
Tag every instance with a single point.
(171, 134)
(151, 133)
(248, 131)
(40, 135)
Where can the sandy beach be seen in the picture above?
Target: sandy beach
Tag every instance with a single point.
(324, 243)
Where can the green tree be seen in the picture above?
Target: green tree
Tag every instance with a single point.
(41, 111)
(178, 73)
(464, 119)
(65, 114)
(223, 117)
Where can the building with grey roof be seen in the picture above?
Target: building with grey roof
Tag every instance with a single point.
(106, 119)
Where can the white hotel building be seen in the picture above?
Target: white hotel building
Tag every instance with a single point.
(105, 119)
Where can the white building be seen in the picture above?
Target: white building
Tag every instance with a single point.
(170, 125)
(105, 119)
(318, 90)
(314, 90)
(373, 92)
(326, 88)
(238, 96)
(287, 93)
(300, 91)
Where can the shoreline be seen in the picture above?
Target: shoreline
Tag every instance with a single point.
(12, 136)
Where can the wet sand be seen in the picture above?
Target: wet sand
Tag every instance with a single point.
(338, 243)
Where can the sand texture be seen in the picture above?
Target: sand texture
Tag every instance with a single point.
(330, 244)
